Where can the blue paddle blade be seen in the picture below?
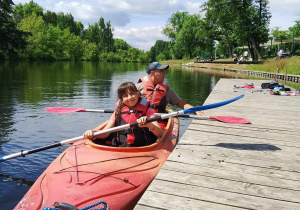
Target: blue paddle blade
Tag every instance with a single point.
(211, 106)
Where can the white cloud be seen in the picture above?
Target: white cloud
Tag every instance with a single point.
(284, 13)
(193, 7)
(285, 7)
(142, 38)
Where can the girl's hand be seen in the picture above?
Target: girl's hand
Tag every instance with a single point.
(142, 122)
(88, 134)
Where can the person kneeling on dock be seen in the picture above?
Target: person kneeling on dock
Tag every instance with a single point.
(130, 108)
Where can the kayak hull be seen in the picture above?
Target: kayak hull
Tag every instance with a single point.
(87, 173)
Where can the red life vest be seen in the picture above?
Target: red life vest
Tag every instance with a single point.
(134, 136)
(156, 94)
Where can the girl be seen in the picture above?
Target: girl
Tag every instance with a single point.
(130, 108)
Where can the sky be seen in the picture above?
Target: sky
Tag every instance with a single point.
(140, 22)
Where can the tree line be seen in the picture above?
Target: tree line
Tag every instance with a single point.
(27, 32)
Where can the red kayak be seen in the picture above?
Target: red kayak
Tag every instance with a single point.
(87, 173)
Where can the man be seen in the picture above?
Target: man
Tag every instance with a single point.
(280, 53)
(154, 87)
(246, 55)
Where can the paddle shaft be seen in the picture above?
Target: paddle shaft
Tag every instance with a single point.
(122, 127)
(72, 140)
(96, 110)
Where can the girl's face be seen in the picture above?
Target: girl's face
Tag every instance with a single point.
(130, 99)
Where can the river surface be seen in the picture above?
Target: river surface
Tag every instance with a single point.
(27, 88)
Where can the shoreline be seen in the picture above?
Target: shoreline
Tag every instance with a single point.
(232, 69)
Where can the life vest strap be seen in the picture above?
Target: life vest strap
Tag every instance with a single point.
(157, 107)
(155, 89)
(131, 130)
(132, 111)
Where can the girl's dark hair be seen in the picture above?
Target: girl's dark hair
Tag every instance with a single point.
(123, 88)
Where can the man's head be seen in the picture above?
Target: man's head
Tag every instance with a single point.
(156, 66)
(157, 72)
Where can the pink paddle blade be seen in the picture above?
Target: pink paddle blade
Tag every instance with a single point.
(62, 110)
(235, 120)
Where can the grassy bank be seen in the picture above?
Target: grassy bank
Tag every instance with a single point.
(292, 64)
(270, 65)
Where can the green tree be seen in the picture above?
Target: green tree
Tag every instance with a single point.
(90, 51)
(252, 21)
(189, 37)
(144, 57)
(23, 11)
(35, 25)
(171, 29)
(174, 24)
(11, 39)
(294, 31)
(133, 54)
(120, 44)
(279, 35)
(222, 16)
(100, 34)
(50, 18)
(160, 47)
(108, 36)
(160, 57)
(65, 21)
(184, 31)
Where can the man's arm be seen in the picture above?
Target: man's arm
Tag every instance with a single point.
(174, 99)
(183, 105)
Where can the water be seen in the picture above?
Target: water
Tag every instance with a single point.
(27, 88)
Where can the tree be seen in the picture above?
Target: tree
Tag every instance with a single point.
(160, 47)
(252, 20)
(100, 34)
(37, 42)
(50, 18)
(11, 39)
(120, 44)
(65, 21)
(90, 51)
(174, 24)
(222, 16)
(279, 35)
(294, 31)
(189, 36)
(23, 11)
(183, 30)
(208, 33)
(171, 29)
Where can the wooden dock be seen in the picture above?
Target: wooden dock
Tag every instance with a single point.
(230, 166)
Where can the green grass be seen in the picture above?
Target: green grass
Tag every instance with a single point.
(292, 64)
(269, 65)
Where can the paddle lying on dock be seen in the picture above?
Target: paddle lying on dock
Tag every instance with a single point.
(225, 119)
(121, 127)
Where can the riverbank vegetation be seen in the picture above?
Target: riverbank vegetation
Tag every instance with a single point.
(28, 32)
(291, 64)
